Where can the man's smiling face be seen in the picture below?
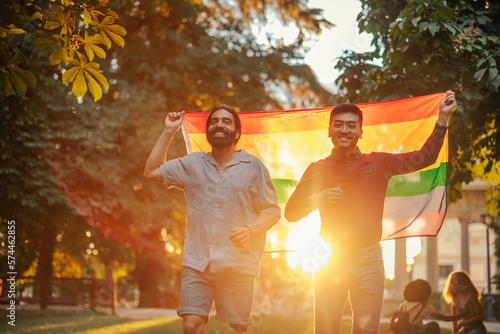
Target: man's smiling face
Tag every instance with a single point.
(221, 129)
(345, 131)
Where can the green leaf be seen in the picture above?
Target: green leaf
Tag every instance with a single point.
(44, 42)
(79, 85)
(28, 76)
(57, 55)
(88, 50)
(97, 74)
(415, 20)
(468, 95)
(493, 72)
(109, 23)
(433, 28)
(90, 47)
(70, 75)
(450, 28)
(492, 62)
(496, 82)
(81, 57)
(116, 38)
(90, 18)
(480, 62)
(483, 20)
(18, 58)
(423, 26)
(98, 51)
(94, 87)
(479, 74)
(73, 61)
(37, 15)
(51, 25)
(105, 38)
(108, 30)
(16, 31)
(7, 85)
(493, 208)
(18, 83)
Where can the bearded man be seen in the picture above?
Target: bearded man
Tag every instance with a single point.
(231, 203)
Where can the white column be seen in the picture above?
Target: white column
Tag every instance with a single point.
(432, 263)
(464, 250)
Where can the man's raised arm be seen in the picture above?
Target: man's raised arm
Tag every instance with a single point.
(158, 155)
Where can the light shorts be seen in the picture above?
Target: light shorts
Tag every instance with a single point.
(232, 293)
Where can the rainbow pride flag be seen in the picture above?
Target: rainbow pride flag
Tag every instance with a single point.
(288, 141)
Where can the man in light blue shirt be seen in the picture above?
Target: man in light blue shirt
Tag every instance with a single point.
(231, 203)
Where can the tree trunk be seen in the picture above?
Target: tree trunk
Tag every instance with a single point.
(45, 266)
(148, 271)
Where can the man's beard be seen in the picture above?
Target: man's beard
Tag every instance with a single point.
(221, 142)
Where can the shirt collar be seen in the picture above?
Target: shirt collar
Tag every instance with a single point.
(243, 156)
(338, 155)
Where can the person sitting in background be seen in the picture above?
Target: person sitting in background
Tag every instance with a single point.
(464, 298)
(416, 295)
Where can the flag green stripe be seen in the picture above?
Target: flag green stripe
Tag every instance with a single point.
(412, 184)
(284, 188)
(417, 183)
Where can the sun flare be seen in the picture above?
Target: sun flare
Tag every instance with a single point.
(308, 250)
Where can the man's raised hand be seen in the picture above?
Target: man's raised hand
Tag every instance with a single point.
(446, 107)
(173, 120)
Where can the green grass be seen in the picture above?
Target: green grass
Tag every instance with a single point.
(90, 322)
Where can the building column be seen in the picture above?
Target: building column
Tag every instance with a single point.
(401, 276)
(464, 223)
(432, 263)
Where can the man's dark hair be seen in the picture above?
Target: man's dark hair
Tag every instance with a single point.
(346, 108)
(237, 123)
(418, 290)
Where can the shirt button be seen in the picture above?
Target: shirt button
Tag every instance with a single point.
(216, 205)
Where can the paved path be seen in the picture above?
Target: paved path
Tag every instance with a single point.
(145, 313)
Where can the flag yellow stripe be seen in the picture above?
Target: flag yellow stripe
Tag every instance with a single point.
(287, 154)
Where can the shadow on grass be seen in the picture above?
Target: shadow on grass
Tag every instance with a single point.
(91, 322)
(86, 321)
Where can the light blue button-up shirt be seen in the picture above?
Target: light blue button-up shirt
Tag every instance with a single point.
(216, 203)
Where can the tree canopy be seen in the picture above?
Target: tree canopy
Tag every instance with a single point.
(73, 30)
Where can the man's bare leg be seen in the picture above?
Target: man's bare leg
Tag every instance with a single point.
(240, 329)
(194, 324)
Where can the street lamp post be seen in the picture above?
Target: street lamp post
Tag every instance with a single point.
(487, 220)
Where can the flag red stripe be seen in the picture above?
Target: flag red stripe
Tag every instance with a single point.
(375, 113)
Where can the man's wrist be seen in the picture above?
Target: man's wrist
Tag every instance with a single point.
(250, 229)
(443, 126)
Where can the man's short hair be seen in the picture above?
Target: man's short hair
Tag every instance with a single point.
(346, 108)
(237, 122)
